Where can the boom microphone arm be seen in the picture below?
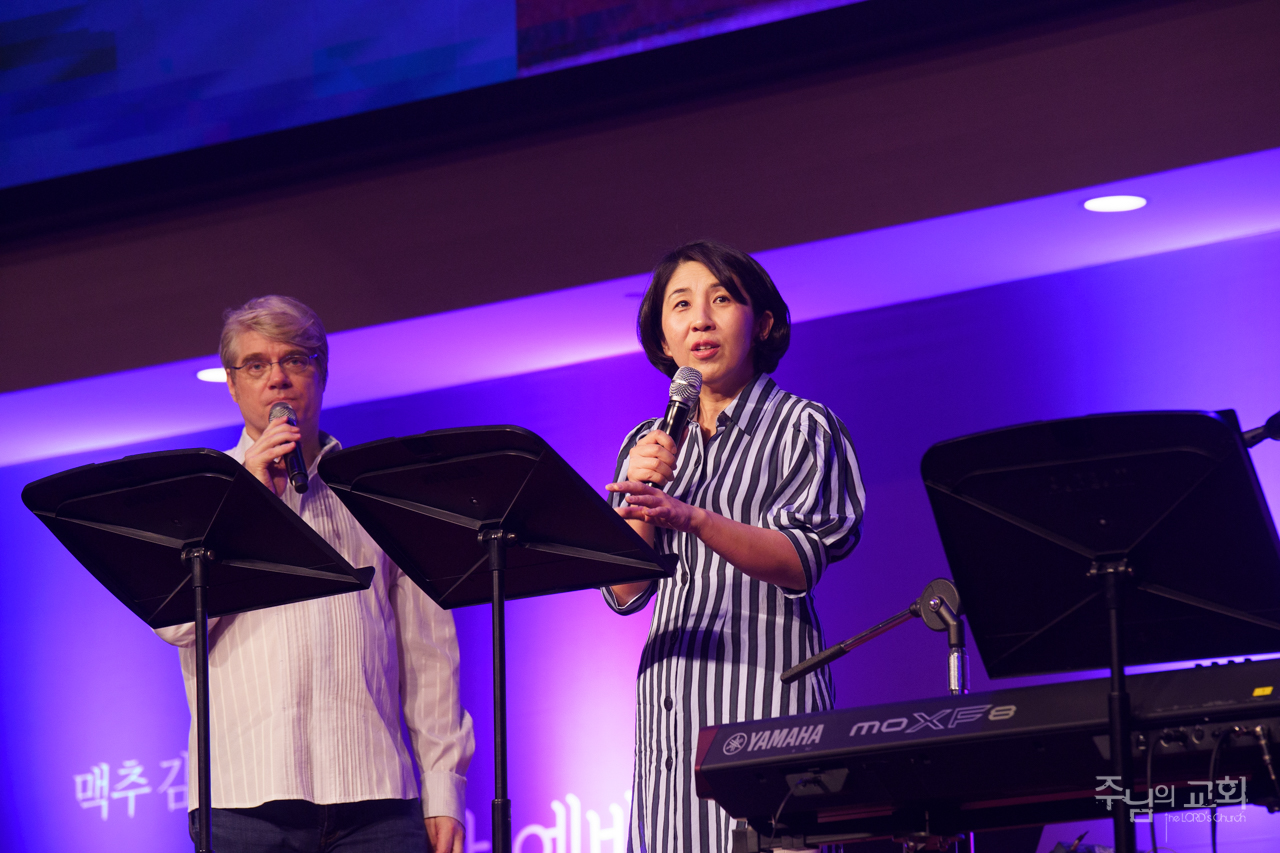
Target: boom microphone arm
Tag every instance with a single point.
(939, 606)
(1271, 429)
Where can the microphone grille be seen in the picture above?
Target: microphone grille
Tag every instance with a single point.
(686, 384)
(282, 408)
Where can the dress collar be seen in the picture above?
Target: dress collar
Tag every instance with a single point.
(748, 407)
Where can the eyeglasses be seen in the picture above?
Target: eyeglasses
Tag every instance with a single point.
(294, 365)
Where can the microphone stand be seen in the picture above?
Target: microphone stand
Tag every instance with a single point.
(939, 607)
(957, 655)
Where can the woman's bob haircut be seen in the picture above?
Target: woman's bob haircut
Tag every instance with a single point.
(739, 274)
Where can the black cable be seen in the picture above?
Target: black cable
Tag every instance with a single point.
(1213, 770)
(1151, 750)
(791, 789)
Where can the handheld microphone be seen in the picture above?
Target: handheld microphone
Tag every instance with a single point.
(685, 387)
(1271, 429)
(293, 462)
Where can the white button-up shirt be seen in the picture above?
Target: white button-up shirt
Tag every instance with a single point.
(305, 699)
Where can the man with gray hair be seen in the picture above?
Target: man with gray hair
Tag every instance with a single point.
(307, 698)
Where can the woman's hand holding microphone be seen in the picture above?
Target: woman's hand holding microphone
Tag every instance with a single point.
(651, 465)
(757, 552)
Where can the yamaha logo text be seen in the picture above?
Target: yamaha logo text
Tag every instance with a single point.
(773, 739)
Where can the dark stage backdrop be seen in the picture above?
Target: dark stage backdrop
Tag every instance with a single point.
(97, 83)
(90, 695)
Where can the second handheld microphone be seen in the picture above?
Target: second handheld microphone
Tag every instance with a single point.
(293, 461)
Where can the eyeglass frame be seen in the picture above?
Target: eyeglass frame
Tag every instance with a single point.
(311, 365)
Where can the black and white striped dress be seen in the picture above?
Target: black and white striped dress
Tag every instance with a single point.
(719, 639)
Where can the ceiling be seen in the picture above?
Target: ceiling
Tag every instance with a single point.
(977, 120)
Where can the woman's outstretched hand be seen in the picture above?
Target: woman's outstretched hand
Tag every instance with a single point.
(646, 504)
(758, 552)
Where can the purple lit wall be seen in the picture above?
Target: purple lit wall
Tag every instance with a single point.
(85, 683)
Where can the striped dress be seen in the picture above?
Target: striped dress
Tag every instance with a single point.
(719, 639)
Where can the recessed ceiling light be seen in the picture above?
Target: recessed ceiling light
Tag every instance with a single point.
(212, 374)
(1115, 203)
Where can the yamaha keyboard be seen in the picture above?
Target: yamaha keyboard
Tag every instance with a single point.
(1004, 758)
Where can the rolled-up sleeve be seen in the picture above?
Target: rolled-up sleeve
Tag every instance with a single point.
(440, 730)
(634, 605)
(819, 501)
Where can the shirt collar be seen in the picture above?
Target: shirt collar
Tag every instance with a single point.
(327, 443)
(747, 408)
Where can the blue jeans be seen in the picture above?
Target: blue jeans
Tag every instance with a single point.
(297, 826)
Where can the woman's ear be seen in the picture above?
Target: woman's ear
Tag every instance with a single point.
(764, 325)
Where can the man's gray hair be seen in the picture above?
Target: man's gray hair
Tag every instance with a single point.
(276, 318)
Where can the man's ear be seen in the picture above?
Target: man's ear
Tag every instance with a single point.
(231, 388)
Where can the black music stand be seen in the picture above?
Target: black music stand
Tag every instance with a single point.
(185, 533)
(482, 515)
(1106, 541)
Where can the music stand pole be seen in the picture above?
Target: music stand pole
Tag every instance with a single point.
(1118, 703)
(496, 540)
(195, 560)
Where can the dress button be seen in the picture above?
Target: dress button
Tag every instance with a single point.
(668, 704)
(670, 763)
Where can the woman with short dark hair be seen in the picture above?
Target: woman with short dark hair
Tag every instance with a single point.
(755, 500)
